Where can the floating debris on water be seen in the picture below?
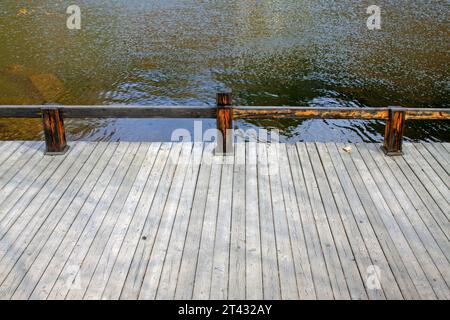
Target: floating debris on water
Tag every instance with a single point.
(347, 149)
(24, 12)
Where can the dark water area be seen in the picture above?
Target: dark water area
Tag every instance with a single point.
(173, 52)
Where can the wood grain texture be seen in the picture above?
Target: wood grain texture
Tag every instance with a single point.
(54, 131)
(272, 221)
(393, 135)
(239, 112)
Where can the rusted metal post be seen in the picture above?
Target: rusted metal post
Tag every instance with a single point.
(224, 123)
(55, 136)
(393, 136)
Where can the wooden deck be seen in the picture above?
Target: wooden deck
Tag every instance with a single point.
(164, 221)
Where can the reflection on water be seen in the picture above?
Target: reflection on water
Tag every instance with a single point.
(174, 52)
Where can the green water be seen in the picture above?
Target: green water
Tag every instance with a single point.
(282, 52)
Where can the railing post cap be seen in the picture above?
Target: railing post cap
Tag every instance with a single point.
(224, 99)
(396, 108)
(50, 106)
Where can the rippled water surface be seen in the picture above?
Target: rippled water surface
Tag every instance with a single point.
(173, 52)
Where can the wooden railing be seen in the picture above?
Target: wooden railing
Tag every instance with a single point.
(224, 113)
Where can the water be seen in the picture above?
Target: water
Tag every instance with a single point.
(278, 52)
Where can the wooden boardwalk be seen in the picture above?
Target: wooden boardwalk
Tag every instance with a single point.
(171, 220)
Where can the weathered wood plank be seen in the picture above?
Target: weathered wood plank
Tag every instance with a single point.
(439, 154)
(421, 223)
(343, 247)
(420, 185)
(96, 196)
(100, 217)
(156, 260)
(8, 149)
(21, 187)
(4, 147)
(25, 172)
(414, 231)
(288, 281)
(435, 165)
(203, 273)
(236, 272)
(443, 148)
(164, 221)
(107, 260)
(186, 276)
(13, 165)
(358, 201)
(437, 181)
(337, 277)
(271, 277)
(20, 199)
(392, 254)
(446, 145)
(304, 277)
(317, 261)
(436, 229)
(55, 238)
(354, 236)
(136, 274)
(219, 277)
(253, 268)
(16, 239)
(31, 202)
(99, 245)
(56, 214)
(169, 274)
(125, 258)
(381, 198)
(428, 179)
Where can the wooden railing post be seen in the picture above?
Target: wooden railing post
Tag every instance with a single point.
(393, 136)
(224, 123)
(55, 136)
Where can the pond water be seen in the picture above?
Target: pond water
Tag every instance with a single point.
(174, 52)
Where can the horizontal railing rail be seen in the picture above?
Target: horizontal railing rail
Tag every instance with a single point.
(210, 112)
(114, 111)
(224, 113)
(337, 113)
